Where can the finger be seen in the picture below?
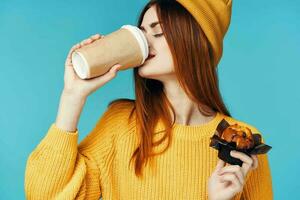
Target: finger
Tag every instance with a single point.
(68, 62)
(76, 46)
(89, 40)
(247, 161)
(235, 185)
(242, 156)
(231, 178)
(116, 67)
(219, 166)
(233, 169)
(95, 37)
(85, 42)
(255, 161)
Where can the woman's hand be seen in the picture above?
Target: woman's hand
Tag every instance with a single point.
(76, 90)
(226, 181)
(74, 85)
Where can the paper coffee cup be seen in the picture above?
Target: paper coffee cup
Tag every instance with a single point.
(127, 46)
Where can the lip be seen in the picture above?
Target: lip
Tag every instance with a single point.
(151, 55)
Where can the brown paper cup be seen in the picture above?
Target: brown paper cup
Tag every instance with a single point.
(127, 46)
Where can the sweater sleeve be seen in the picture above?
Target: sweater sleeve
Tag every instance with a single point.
(58, 168)
(258, 183)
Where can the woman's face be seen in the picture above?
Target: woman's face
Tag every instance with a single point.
(161, 66)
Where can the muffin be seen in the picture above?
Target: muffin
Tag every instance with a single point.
(236, 137)
(241, 136)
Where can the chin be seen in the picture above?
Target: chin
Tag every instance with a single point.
(152, 72)
(145, 73)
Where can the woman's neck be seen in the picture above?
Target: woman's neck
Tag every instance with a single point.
(186, 111)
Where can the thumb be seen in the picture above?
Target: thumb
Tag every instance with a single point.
(116, 67)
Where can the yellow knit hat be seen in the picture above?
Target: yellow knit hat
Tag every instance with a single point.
(214, 18)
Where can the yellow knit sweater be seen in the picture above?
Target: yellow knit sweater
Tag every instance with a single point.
(59, 168)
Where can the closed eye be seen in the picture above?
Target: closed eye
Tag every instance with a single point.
(158, 35)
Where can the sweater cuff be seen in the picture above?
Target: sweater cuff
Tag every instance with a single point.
(60, 140)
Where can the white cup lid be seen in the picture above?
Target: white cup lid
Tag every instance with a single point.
(142, 40)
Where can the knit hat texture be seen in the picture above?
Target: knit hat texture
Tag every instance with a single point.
(214, 18)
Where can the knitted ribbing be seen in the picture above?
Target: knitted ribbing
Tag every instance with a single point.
(59, 168)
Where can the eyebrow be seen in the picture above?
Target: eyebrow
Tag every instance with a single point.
(153, 24)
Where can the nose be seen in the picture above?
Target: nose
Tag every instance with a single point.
(148, 37)
(149, 41)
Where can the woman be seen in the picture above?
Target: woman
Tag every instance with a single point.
(157, 146)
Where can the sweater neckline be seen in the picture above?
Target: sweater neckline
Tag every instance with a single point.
(195, 132)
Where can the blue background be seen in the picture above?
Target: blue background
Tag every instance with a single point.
(258, 76)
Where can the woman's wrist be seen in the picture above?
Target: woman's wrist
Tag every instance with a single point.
(70, 108)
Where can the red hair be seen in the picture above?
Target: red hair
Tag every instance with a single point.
(194, 68)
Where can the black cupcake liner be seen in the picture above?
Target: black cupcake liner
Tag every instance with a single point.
(225, 147)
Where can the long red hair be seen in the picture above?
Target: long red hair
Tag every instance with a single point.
(194, 68)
